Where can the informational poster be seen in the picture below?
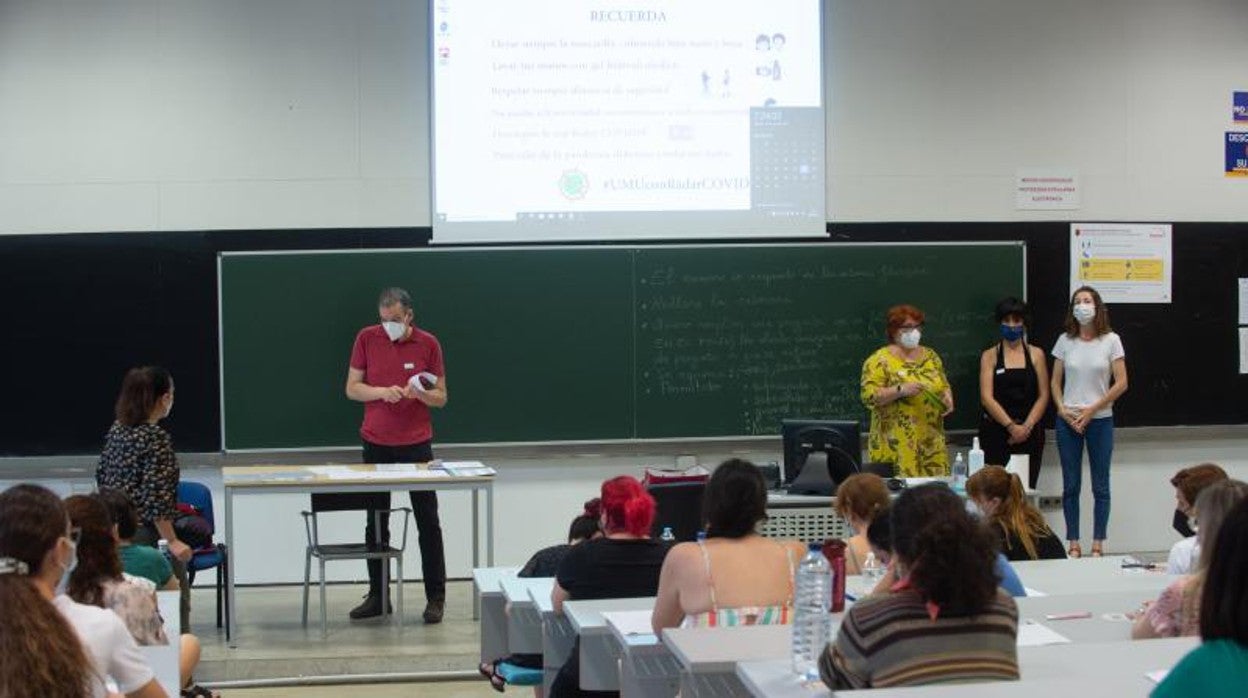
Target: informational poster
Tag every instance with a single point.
(1239, 108)
(1243, 301)
(1237, 153)
(1125, 262)
(1046, 189)
(1243, 350)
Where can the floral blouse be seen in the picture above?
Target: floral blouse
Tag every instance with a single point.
(140, 461)
(909, 432)
(133, 599)
(1177, 611)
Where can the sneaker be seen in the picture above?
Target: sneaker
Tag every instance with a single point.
(434, 610)
(371, 608)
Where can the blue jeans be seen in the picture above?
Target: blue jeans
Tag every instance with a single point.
(1099, 436)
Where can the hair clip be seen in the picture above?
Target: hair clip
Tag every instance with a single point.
(10, 565)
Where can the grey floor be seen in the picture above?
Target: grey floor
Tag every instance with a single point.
(273, 646)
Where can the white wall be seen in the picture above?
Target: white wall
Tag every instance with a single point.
(185, 115)
(537, 497)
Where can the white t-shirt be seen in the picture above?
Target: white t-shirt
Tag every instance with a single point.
(1183, 556)
(109, 644)
(1088, 365)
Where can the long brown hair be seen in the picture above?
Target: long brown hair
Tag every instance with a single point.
(40, 654)
(141, 389)
(98, 561)
(1014, 514)
(1100, 323)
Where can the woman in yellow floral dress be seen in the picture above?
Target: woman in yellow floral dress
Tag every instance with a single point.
(905, 388)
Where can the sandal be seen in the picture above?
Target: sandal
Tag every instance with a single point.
(197, 691)
(490, 671)
(1097, 548)
(1075, 551)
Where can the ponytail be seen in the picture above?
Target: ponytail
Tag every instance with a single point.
(1015, 514)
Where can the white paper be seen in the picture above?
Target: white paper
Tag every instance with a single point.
(1034, 592)
(1046, 189)
(1124, 262)
(1243, 301)
(396, 467)
(1033, 634)
(468, 468)
(401, 475)
(328, 470)
(1158, 676)
(630, 622)
(1243, 350)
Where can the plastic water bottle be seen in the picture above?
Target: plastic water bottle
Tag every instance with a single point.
(974, 458)
(871, 569)
(163, 546)
(959, 474)
(667, 536)
(812, 597)
(701, 535)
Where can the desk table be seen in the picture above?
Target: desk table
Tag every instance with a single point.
(1088, 575)
(298, 479)
(647, 667)
(1107, 624)
(487, 585)
(558, 637)
(600, 653)
(524, 622)
(709, 656)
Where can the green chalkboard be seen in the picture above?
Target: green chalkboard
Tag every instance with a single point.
(600, 343)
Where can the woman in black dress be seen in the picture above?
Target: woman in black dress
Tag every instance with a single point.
(1014, 390)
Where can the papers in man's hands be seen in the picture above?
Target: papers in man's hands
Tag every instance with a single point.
(1033, 634)
(423, 381)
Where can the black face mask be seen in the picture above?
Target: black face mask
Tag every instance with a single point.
(1182, 525)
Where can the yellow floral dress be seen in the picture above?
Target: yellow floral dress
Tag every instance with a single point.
(909, 432)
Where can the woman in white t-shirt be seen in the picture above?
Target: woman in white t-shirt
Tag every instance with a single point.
(1089, 374)
(69, 654)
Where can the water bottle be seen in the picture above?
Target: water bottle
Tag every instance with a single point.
(974, 457)
(667, 536)
(163, 546)
(871, 569)
(701, 536)
(959, 474)
(812, 596)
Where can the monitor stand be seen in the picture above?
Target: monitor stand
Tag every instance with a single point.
(814, 477)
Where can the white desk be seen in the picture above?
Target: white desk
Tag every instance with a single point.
(524, 622)
(297, 479)
(165, 659)
(558, 637)
(1098, 628)
(487, 585)
(1088, 575)
(647, 667)
(709, 656)
(1111, 668)
(600, 653)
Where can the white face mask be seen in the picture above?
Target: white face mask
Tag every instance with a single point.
(1084, 313)
(909, 338)
(69, 569)
(394, 330)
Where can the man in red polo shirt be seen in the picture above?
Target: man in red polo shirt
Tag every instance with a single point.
(391, 365)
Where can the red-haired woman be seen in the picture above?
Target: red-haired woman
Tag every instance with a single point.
(905, 389)
(623, 563)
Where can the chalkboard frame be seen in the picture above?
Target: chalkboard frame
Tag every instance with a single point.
(632, 246)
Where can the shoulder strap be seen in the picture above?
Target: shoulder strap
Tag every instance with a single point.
(1000, 355)
(710, 579)
(788, 554)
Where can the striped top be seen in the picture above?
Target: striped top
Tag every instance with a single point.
(892, 640)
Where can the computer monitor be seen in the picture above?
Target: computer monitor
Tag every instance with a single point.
(819, 454)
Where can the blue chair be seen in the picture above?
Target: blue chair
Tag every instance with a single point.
(215, 555)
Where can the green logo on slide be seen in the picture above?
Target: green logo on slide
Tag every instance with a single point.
(573, 184)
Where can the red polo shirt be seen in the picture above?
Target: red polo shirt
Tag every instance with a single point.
(387, 363)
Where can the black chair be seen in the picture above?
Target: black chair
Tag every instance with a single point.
(884, 470)
(678, 506)
(212, 555)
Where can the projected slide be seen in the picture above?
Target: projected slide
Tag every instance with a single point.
(581, 120)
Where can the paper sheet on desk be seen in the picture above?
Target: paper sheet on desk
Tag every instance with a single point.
(468, 468)
(1033, 634)
(1158, 676)
(630, 622)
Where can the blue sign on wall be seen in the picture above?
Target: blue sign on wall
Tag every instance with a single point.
(1237, 153)
(1239, 108)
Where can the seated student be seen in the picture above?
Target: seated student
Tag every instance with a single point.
(51, 645)
(544, 563)
(1219, 667)
(945, 621)
(1188, 483)
(138, 560)
(98, 580)
(1020, 526)
(879, 535)
(735, 576)
(623, 563)
(857, 500)
(1177, 611)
